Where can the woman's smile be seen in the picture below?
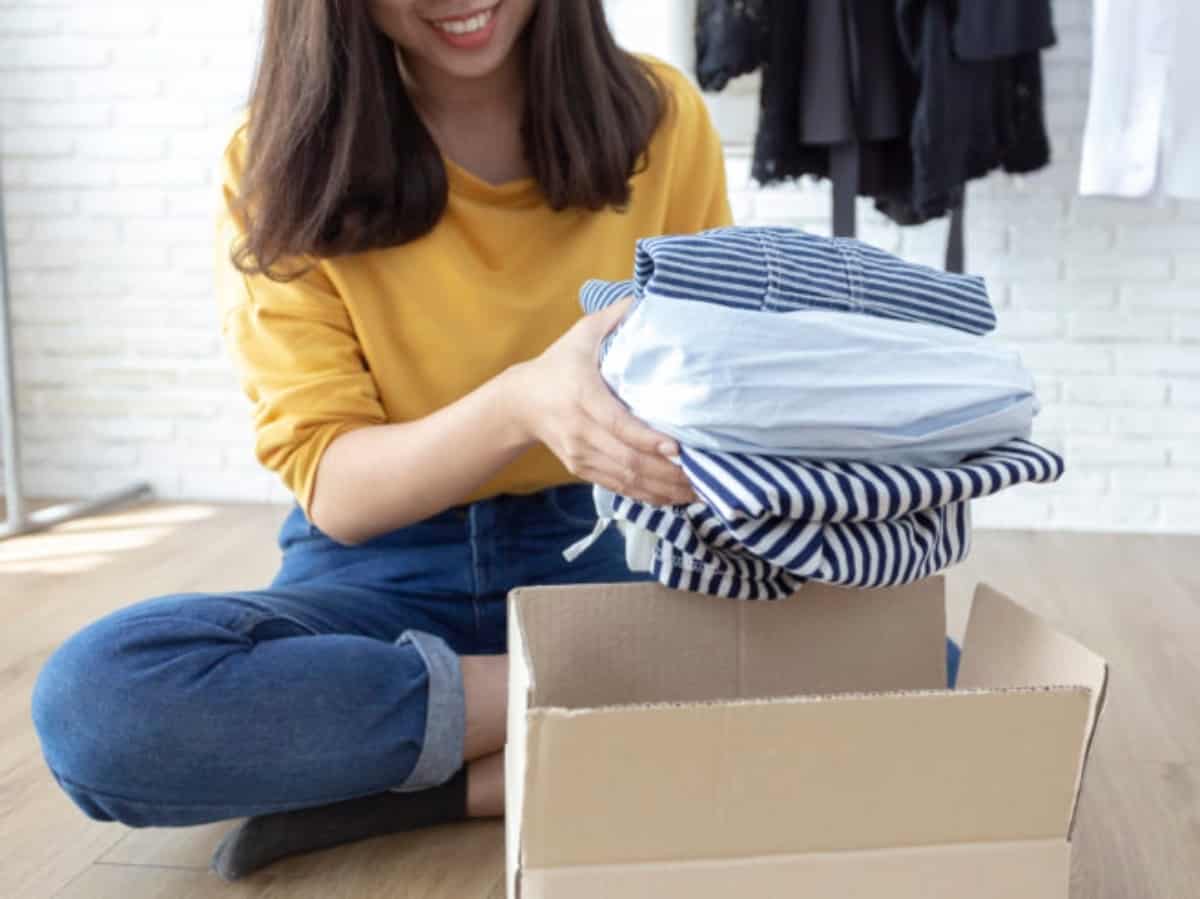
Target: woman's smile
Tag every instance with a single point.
(469, 31)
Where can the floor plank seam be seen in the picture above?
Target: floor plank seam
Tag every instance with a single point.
(70, 883)
(152, 866)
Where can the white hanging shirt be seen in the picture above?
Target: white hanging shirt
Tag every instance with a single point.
(1143, 123)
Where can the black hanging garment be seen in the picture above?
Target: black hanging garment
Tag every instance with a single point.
(933, 93)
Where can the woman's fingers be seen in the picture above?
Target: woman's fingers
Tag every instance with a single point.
(608, 412)
(638, 471)
(613, 479)
(643, 489)
(606, 444)
(609, 317)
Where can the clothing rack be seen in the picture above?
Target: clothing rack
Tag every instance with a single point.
(18, 520)
(843, 172)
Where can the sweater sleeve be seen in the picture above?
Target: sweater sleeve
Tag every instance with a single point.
(297, 354)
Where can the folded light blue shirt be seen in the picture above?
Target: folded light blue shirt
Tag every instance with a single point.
(860, 355)
(817, 384)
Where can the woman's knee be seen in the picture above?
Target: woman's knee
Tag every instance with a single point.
(73, 693)
(102, 705)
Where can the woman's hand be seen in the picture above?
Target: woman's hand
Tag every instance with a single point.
(562, 401)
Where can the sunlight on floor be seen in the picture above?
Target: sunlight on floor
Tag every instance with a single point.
(83, 545)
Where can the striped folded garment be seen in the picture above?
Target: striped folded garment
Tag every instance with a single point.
(785, 269)
(837, 410)
(765, 525)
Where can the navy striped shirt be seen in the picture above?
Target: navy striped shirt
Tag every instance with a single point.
(784, 269)
(765, 525)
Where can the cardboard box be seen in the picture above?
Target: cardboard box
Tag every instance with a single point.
(665, 744)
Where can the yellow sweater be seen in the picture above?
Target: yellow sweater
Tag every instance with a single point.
(394, 335)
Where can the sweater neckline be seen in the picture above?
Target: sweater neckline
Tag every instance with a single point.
(517, 192)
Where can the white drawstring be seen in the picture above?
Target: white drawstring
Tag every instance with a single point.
(577, 549)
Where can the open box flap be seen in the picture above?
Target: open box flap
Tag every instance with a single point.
(791, 776)
(827, 640)
(610, 644)
(1008, 646)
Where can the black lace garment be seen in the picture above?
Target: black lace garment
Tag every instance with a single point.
(932, 92)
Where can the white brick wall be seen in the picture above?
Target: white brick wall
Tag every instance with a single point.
(111, 117)
(111, 121)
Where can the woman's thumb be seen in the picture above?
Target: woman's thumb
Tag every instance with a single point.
(610, 316)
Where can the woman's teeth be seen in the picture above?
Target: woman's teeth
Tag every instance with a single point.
(467, 26)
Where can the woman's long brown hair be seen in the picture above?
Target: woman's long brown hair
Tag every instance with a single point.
(339, 162)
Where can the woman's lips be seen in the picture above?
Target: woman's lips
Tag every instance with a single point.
(470, 31)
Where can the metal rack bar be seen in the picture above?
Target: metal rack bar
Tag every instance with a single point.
(18, 519)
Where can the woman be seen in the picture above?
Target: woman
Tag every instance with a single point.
(420, 189)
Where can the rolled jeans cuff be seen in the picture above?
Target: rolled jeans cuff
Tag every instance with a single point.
(445, 714)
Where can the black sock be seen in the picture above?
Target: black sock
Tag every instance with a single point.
(267, 838)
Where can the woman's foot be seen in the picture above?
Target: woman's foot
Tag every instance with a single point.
(265, 839)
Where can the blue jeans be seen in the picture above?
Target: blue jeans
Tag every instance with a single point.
(341, 679)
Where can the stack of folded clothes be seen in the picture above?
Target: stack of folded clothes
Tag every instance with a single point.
(836, 407)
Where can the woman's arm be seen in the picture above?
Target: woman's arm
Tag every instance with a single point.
(321, 425)
(377, 478)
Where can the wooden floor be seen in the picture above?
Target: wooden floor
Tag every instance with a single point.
(1134, 599)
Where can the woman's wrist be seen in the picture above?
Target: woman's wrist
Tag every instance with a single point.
(512, 398)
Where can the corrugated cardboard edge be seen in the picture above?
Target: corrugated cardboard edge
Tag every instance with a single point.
(515, 768)
(996, 627)
(1035, 869)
